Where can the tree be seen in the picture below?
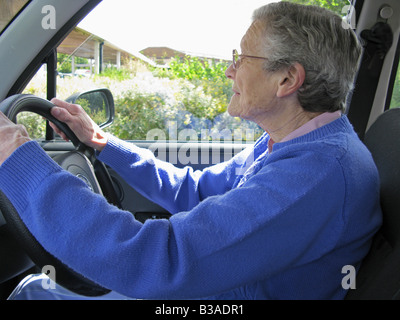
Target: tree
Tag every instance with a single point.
(334, 5)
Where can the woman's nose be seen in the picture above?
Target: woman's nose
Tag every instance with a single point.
(230, 72)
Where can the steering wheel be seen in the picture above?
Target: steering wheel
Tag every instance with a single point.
(82, 163)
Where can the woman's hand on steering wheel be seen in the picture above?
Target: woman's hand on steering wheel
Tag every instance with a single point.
(86, 130)
(12, 136)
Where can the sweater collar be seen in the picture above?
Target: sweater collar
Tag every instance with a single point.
(311, 127)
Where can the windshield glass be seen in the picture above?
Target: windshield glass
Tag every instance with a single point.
(9, 10)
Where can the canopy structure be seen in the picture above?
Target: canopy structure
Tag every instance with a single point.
(100, 52)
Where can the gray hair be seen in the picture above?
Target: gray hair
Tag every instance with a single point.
(315, 38)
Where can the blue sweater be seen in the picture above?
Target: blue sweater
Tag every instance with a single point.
(283, 228)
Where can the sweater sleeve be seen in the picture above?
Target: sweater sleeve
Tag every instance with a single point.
(285, 215)
(175, 189)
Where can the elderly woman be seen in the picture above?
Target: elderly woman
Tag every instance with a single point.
(280, 220)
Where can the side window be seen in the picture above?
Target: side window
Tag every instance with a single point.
(35, 124)
(395, 103)
(166, 95)
(159, 94)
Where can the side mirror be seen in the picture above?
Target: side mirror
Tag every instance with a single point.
(98, 104)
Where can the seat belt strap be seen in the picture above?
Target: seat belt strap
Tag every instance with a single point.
(378, 42)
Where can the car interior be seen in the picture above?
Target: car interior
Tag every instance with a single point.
(371, 110)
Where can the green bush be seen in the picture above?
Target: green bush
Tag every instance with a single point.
(115, 74)
(207, 76)
(34, 124)
(135, 114)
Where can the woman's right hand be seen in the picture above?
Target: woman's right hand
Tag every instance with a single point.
(85, 129)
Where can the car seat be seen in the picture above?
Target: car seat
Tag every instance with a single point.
(379, 275)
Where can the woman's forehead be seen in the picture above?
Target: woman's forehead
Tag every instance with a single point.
(251, 39)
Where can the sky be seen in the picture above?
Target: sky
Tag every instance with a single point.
(211, 27)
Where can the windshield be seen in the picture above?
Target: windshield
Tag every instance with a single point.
(9, 10)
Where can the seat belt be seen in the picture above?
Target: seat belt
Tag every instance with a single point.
(378, 41)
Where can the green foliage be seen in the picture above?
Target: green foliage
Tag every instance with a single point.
(34, 124)
(198, 103)
(64, 62)
(212, 89)
(115, 74)
(136, 114)
(193, 68)
(334, 5)
(98, 114)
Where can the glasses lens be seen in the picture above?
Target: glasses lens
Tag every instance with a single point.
(235, 58)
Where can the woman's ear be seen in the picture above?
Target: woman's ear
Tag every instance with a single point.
(292, 79)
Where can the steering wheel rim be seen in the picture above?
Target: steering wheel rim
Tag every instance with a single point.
(27, 102)
(66, 277)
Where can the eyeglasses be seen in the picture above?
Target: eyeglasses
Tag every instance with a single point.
(236, 58)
